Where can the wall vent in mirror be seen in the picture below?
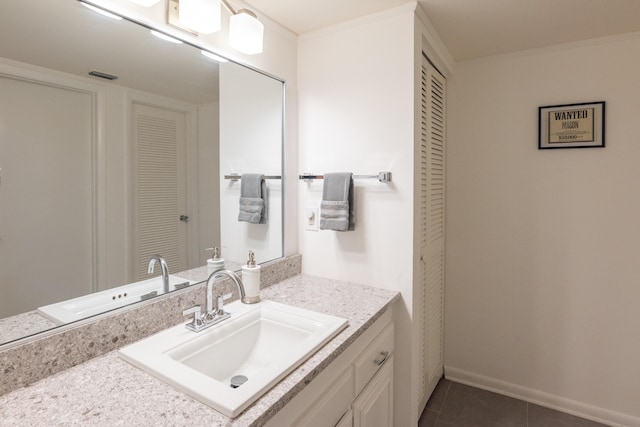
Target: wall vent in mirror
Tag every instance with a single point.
(102, 75)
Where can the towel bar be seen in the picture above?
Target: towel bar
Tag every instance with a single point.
(381, 176)
(236, 177)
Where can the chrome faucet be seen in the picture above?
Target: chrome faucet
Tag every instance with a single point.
(210, 309)
(165, 270)
(213, 314)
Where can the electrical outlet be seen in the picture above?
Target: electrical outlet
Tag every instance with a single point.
(311, 220)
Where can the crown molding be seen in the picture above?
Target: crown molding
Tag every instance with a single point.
(554, 48)
(432, 44)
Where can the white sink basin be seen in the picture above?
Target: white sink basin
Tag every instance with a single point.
(100, 302)
(263, 342)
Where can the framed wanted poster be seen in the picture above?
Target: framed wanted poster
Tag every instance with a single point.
(571, 125)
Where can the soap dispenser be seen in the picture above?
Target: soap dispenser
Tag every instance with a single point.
(251, 280)
(215, 263)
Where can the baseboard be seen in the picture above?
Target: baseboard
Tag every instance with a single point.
(590, 412)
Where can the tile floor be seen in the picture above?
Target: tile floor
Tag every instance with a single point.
(457, 405)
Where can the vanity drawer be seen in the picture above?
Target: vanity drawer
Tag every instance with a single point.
(330, 408)
(373, 357)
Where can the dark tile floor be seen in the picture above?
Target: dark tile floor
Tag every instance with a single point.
(457, 405)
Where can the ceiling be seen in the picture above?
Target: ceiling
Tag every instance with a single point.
(476, 28)
(469, 29)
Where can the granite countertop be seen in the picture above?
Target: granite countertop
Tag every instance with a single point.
(107, 391)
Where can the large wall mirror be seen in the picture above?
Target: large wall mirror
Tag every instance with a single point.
(98, 175)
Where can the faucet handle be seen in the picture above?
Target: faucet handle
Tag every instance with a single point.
(220, 302)
(196, 321)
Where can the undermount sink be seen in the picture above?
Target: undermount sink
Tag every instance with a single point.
(231, 364)
(100, 302)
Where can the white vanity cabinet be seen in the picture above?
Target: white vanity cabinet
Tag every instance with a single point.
(356, 389)
(374, 406)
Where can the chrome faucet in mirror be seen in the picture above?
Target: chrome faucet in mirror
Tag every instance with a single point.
(165, 270)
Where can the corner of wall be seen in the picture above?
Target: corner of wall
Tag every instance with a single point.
(429, 42)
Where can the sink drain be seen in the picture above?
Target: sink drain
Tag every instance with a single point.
(238, 380)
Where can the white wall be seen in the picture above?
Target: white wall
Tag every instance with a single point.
(356, 114)
(208, 178)
(250, 142)
(542, 246)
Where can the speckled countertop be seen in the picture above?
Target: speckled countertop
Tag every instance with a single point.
(107, 391)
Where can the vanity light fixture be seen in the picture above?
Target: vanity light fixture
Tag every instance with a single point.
(246, 32)
(101, 11)
(202, 16)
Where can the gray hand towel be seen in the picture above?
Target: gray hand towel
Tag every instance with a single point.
(253, 199)
(336, 208)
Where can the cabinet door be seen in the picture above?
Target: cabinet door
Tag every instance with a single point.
(374, 406)
(330, 408)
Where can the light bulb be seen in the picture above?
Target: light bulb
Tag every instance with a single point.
(202, 16)
(246, 32)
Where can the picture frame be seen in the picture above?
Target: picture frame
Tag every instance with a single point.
(571, 125)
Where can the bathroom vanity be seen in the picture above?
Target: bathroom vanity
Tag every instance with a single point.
(348, 380)
(355, 390)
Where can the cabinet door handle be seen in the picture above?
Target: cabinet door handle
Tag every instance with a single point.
(384, 355)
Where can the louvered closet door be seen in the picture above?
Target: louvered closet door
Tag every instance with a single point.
(160, 188)
(432, 198)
